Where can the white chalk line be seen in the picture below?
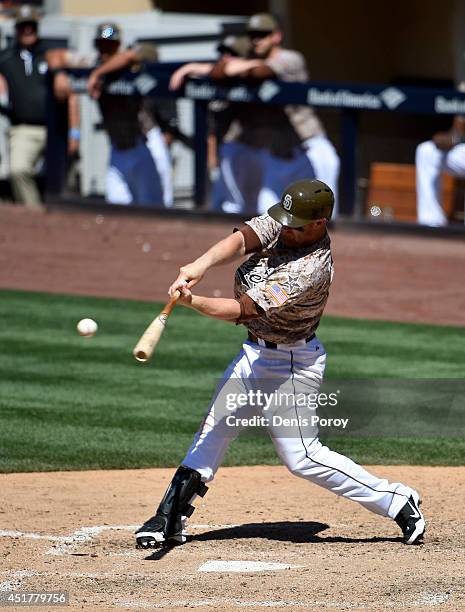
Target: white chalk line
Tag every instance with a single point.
(426, 600)
(244, 566)
(229, 601)
(70, 544)
(16, 577)
(16, 580)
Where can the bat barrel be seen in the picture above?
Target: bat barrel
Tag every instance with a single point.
(150, 338)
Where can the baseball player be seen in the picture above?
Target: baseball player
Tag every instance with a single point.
(280, 294)
(444, 153)
(274, 145)
(157, 119)
(136, 174)
(226, 168)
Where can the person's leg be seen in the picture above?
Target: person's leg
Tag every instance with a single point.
(226, 193)
(162, 158)
(317, 159)
(325, 163)
(144, 180)
(27, 143)
(428, 166)
(277, 175)
(116, 186)
(201, 462)
(239, 180)
(301, 451)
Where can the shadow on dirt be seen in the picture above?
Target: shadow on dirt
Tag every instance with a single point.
(298, 532)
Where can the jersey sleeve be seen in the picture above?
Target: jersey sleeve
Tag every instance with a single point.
(266, 228)
(298, 283)
(146, 52)
(287, 65)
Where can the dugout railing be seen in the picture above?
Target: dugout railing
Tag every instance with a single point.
(348, 99)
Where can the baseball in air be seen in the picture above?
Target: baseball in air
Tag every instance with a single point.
(87, 328)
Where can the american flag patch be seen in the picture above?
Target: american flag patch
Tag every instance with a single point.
(277, 293)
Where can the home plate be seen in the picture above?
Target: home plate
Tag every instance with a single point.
(244, 566)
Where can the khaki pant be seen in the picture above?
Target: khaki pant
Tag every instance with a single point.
(27, 143)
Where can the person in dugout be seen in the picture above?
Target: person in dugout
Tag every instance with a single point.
(140, 166)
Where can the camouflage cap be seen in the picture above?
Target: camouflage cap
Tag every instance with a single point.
(262, 22)
(303, 202)
(26, 14)
(235, 45)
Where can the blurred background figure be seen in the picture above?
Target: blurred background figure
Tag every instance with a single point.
(267, 147)
(445, 152)
(153, 120)
(23, 74)
(221, 114)
(140, 167)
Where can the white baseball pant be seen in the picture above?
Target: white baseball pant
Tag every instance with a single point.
(318, 159)
(162, 158)
(429, 163)
(297, 368)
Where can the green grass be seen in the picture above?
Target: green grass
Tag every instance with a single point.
(68, 402)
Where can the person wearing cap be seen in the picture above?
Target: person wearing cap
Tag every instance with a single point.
(23, 71)
(277, 144)
(140, 167)
(280, 292)
(221, 114)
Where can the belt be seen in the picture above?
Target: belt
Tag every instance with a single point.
(272, 345)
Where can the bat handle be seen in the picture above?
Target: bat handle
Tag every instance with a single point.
(171, 304)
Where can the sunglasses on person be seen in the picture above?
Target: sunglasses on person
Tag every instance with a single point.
(258, 34)
(27, 25)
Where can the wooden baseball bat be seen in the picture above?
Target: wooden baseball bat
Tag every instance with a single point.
(150, 338)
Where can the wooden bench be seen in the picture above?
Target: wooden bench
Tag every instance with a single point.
(392, 189)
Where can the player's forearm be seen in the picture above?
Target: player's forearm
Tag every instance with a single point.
(198, 69)
(225, 309)
(240, 67)
(228, 249)
(74, 116)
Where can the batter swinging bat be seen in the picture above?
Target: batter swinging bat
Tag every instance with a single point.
(148, 341)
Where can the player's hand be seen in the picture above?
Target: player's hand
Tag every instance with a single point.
(94, 85)
(445, 140)
(186, 297)
(73, 146)
(188, 276)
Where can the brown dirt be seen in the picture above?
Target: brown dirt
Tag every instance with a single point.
(378, 276)
(347, 558)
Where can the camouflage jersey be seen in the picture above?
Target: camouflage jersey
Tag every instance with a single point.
(289, 287)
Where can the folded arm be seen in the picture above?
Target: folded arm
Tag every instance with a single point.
(248, 68)
(192, 69)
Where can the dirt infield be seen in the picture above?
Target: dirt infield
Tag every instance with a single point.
(73, 531)
(378, 276)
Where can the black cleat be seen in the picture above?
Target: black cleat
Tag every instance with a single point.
(411, 520)
(168, 526)
(153, 533)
